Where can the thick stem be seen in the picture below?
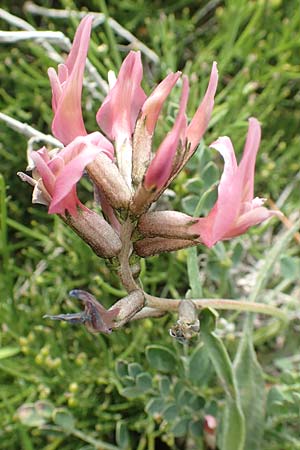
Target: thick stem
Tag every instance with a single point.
(125, 272)
(167, 304)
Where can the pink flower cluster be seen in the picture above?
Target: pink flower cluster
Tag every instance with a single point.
(127, 175)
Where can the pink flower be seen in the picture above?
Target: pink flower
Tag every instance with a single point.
(67, 87)
(61, 171)
(128, 118)
(118, 114)
(152, 106)
(171, 157)
(235, 209)
(160, 167)
(200, 121)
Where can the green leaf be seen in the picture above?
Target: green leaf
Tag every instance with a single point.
(131, 392)
(197, 403)
(194, 185)
(161, 358)
(184, 398)
(128, 381)
(164, 385)
(134, 369)
(63, 418)
(251, 387)
(199, 366)
(196, 427)
(189, 203)
(121, 369)
(272, 256)
(178, 388)
(221, 362)
(180, 426)
(122, 435)
(289, 267)
(170, 412)
(233, 425)
(248, 372)
(144, 382)
(274, 396)
(7, 352)
(155, 406)
(208, 319)
(193, 273)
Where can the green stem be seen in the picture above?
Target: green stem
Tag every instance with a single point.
(167, 304)
(97, 443)
(3, 217)
(125, 273)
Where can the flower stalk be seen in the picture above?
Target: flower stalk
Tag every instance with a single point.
(167, 304)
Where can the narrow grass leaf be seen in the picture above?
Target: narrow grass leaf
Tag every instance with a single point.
(193, 273)
(251, 386)
(273, 255)
(7, 352)
(247, 369)
(233, 426)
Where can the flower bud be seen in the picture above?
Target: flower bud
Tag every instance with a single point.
(128, 307)
(152, 246)
(169, 224)
(107, 177)
(188, 324)
(96, 232)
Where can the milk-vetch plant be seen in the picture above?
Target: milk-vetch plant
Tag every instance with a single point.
(129, 175)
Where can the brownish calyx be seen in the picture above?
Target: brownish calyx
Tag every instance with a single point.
(141, 151)
(153, 246)
(168, 224)
(105, 174)
(96, 232)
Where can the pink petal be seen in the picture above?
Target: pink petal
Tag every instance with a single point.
(43, 152)
(228, 203)
(68, 121)
(152, 106)
(63, 72)
(235, 210)
(101, 142)
(160, 167)
(252, 217)
(80, 42)
(204, 228)
(95, 139)
(119, 111)
(68, 177)
(202, 116)
(56, 88)
(56, 165)
(69, 203)
(43, 170)
(247, 164)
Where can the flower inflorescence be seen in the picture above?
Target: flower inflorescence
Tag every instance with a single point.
(129, 176)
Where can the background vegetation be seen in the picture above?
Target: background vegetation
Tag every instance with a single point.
(137, 388)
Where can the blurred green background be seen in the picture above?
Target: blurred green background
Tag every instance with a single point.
(109, 391)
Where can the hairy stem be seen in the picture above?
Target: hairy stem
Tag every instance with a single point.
(167, 304)
(125, 272)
